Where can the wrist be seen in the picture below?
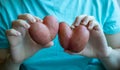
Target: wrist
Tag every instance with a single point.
(10, 61)
(9, 64)
(106, 54)
(112, 60)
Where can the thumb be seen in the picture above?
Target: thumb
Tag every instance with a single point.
(72, 53)
(49, 44)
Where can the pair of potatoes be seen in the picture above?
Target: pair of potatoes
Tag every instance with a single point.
(73, 40)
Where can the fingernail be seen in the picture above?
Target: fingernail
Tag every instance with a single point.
(27, 26)
(41, 20)
(89, 28)
(72, 26)
(51, 43)
(33, 20)
(76, 24)
(18, 33)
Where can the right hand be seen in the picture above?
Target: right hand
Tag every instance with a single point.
(96, 46)
(21, 44)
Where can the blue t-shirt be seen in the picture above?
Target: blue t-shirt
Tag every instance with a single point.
(106, 13)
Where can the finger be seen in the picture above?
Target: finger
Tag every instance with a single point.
(97, 27)
(12, 32)
(72, 27)
(20, 23)
(38, 19)
(83, 53)
(14, 37)
(70, 52)
(49, 44)
(67, 51)
(27, 17)
(78, 20)
(92, 24)
(86, 19)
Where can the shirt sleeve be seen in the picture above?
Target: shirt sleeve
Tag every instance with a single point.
(112, 22)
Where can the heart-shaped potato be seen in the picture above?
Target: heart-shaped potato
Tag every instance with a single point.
(44, 32)
(75, 39)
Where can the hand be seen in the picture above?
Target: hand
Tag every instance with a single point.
(73, 39)
(22, 46)
(97, 45)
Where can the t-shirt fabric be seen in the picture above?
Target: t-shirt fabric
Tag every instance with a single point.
(106, 13)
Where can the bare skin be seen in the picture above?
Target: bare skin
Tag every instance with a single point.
(97, 46)
(21, 44)
(103, 46)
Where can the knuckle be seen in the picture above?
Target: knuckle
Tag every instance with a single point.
(83, 16)
(18, 22)
(78, 17)
(91, 22)
(86, 19)
(27, 14)
(92, 17)
(12, 30)
(9, 32)
(95, 22)
(21, 16)
(24, 16)
(13, 22)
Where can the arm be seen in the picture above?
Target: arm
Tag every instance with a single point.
(105, 48)
(10, 65)
(5, 62)
(112, 62)
(21, 44)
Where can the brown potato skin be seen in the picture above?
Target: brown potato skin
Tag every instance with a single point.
(43, 33)
(75, 39)
(52, 24)
(64, 34)
(79, 39)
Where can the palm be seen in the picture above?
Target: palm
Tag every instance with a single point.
(22, 46)
(96, 44)
(42, 32)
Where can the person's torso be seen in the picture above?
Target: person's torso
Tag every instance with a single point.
(53, 58)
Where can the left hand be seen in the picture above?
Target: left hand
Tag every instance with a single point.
(97, 45)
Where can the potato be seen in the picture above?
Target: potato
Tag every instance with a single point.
(43, 33)
(64, 34)
(75, 39)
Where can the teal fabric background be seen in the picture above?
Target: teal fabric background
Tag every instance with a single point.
(106, 13)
